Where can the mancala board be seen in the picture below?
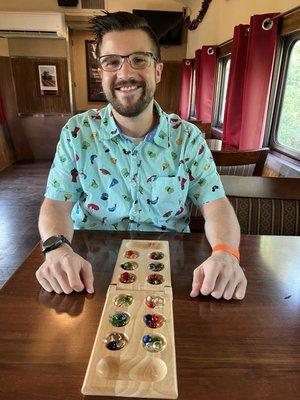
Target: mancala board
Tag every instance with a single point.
(134, 349)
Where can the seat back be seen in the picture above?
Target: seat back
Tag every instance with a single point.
(263, 205)
(242, 163)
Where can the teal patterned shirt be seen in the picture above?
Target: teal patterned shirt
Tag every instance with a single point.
(118, 184)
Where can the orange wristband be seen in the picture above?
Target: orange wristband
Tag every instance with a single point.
(228, 249)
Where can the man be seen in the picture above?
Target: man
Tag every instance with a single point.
(130, 166)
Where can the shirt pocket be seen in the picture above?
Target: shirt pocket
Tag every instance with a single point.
(168, 196)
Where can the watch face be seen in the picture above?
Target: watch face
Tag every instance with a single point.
(51, 241)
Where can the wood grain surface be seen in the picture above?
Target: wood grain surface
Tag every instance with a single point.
(237, 350)
(133, 371)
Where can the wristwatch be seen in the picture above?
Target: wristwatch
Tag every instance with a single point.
(53, 242)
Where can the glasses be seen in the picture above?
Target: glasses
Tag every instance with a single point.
(114, 62)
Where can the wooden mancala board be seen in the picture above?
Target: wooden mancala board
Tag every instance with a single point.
(134, 349)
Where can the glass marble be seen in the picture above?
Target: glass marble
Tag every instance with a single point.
(131, 254)
(119, 319)
(154, 301)
(156, 255)
(155, 279)
(129, 265)
(127, 277)
(123, 300)
(156, 266)
(116, 341)
(154, 344)
(154, 320)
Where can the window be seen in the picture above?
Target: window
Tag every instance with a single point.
(285, 124)
(192, 113)
(221, 91)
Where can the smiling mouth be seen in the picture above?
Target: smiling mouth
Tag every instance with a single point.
(127, 89)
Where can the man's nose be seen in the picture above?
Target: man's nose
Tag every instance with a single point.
(125, 70)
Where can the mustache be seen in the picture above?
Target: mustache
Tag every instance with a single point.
(128, 82)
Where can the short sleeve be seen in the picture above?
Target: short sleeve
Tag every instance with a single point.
(205, 183)
(63, 180)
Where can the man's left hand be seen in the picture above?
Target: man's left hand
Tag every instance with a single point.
(221, 276)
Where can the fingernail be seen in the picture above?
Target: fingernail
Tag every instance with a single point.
(90, 290)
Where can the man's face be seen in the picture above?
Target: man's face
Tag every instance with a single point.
(129, 90)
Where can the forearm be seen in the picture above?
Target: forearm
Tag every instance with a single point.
(221, 225)
(55, 219)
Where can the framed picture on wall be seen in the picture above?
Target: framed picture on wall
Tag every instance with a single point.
(95, 91)
(48, 79)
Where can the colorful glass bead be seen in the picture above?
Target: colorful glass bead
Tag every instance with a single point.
(156, 255)
(156, 266)
(155, 279)
(115, 341)
(153, 343)
(154, 301)
(131, 254)
(123, 300)
(127, 277)
(154, 320)
(129, 265)
(119, 319)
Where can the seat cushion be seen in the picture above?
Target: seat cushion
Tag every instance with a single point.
(259, 216)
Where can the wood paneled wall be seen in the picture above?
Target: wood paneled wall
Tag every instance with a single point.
(167, 92)
(26, 77)
(6, 152)
(20, 143)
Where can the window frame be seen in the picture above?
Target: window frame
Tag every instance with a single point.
(219, 90)
(192, 115)
(283, 53)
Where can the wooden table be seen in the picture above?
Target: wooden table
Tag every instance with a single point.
(225, 349)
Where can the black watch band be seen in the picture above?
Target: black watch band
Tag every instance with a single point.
(53, 242)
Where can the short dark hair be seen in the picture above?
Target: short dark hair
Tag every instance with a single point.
(121, 21)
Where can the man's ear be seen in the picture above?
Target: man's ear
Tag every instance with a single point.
(158, 72)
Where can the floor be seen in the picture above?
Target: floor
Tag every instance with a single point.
(21, 193)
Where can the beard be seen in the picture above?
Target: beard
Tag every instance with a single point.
(128, 106)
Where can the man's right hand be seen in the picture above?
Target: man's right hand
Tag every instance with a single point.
(64, 271)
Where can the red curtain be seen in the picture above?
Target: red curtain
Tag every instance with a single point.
(248, 91)
(185, 90)
(2, 114)
(260, 58)
(206, 60)
(233, 106)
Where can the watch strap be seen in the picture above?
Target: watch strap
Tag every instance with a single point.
(60, 239)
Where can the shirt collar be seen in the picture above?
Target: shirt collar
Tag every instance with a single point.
(109, 129)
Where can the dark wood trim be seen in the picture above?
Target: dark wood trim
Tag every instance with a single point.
(289, 23)
(224, 49)
(283, 157)
(204, 127)
(216, 133)
(261, 187)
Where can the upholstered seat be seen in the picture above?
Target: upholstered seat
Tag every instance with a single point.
(264, 206)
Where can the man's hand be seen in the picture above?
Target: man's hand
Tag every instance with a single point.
(64, 271)
(221, 276)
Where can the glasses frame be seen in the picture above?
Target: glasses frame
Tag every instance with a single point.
(127, 59)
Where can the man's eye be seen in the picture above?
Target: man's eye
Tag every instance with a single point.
(139, 60)
(111, 62)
